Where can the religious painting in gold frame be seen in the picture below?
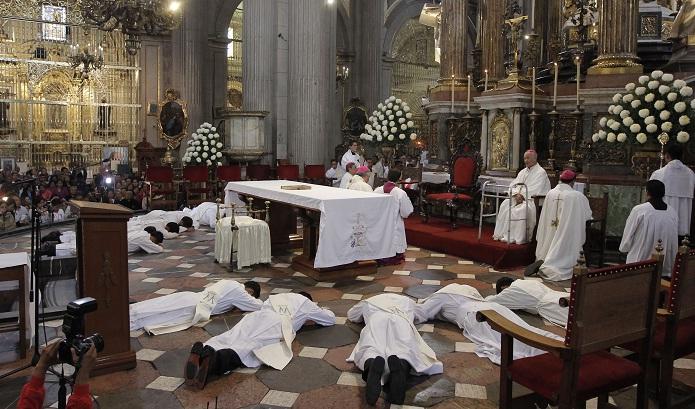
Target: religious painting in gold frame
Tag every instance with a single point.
(173, 118)
(500, 137)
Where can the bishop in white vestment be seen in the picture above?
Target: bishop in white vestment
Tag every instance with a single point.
(405, 208)
(680, 183)
(524, 210)
(360, 181)
(179, 311)
(531, 296)
(562, 229)
(459, 304)
(647, 224)
(351, 156)
(347, 176)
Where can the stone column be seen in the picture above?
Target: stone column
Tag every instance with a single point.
(259, 52)
(454, 41)
(493, 40)
(617, 43)
(368, 60)
(312, 56)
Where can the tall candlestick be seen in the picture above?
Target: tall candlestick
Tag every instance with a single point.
(533, 89)
(468, 102)
(579, 76)
(486, 78)
(555, 86)
(452, 92)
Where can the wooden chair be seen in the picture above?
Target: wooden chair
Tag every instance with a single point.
(315, 174)
(224, 175)
(196, 182)
(257, 172)
(595, 244)
(162, 189)
(463, 188)
(287, 172)
(607, 307)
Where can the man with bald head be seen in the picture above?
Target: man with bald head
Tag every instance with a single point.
(522, 208)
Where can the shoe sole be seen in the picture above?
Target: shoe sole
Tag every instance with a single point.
(376, 370)
(396, 380)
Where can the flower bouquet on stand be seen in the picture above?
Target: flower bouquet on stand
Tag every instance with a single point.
(389, 125)
(204, 147)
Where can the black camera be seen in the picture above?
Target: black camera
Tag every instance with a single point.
(73, 328)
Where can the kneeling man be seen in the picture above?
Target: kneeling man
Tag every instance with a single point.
(405, 208)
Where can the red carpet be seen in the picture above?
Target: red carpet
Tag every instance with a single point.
(463, 242)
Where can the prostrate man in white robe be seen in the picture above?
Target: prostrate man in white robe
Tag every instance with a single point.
(680, 183)
(347, 176)
(647, 224)
(261, 337)
(524, 209)
(360, 181)
(179, 311)
(390, 346)
(170, 230)
(531, 296)
(205, 214)
(351, 156)
(150, 243)
(459, 305)
(562, 229)
(405, 208)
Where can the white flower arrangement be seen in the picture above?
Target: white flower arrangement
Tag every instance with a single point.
(392, 120)
(204, 147)
(653, 104)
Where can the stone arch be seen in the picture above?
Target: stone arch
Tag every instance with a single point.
(344, 28)
(397, 15)
(223, 15)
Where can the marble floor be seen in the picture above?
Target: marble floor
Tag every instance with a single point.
(318, 376)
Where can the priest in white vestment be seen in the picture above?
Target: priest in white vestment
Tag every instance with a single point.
(179, 311)
(150, 243)
(405, 208)
(533, 297)
(351, 156)
(459, 304)
(562, 229)
(680, 183)
(347, 176)
(534, 177)
(647, 224)
(360, 181)
(390, 346)
(261, 337)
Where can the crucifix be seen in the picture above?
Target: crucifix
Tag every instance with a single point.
(556, 221)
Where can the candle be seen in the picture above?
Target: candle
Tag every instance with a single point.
(533, 89)
(579, 77)
(452, 92)
(468, 102)
(486, 78)
(555, 86)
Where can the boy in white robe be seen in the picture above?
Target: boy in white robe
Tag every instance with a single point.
(179, 311)
(405, 208)
(680, 183)
(360, 181)
(147, 242)
(531, 296)
(647, 224)
(562, 229)
(347, 176)
(537, 184)
(390, 346)
(261, 337)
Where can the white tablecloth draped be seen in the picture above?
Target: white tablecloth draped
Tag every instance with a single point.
(20, 259)
(252, 241)
(354, 225)
(435, 177)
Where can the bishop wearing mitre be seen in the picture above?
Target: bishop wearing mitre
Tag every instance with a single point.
(523, 210)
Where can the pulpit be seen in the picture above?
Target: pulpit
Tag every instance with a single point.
(102, 273)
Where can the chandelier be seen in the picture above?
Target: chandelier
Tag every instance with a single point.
(84, 62)
(133, 17)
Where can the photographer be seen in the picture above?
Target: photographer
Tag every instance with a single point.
(33, 392)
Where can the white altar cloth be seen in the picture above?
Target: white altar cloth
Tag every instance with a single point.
(21, 259)
(354, 225)
(251, 241)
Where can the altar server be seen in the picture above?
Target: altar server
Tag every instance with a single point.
(179, 311)
(524, 209)
(459, 305)
(390, 346)
(531, 296)
(647, 224)
(562, 229)
(261, 337)
(405, 208)
(347, 176)
(351, 156)
(148, 242)
(680, 183)
(360, 181)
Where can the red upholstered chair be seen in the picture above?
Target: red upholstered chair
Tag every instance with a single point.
(606, 308)
(196, 180)
(315, 174)
(287, 172)
(162, 190)
(257, 172)
(463, 190)
(225, 174)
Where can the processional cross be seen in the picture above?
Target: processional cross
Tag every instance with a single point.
(556, 221)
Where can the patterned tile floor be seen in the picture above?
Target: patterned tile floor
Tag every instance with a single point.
(318, 376)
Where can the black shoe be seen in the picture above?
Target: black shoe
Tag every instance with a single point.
(397, 375)
(532, 269)
(376, 370)
(206, 367)
(193, 363)
(367, 365)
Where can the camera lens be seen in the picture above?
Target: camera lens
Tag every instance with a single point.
(96, 340)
